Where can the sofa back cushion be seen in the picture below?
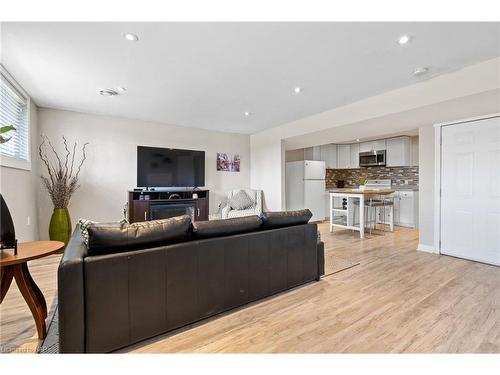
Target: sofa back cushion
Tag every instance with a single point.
(226, 227)
(85, 223)
(285, 218)
(113, 239)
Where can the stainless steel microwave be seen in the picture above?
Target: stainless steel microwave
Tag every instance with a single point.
(372, 158)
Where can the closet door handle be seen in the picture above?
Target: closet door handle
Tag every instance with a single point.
(198, 212)
(145, 215)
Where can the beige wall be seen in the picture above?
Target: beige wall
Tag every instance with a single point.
(294, 155)
(110, 169)
(19, 189)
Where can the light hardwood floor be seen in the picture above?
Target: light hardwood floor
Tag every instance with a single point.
(396, 300)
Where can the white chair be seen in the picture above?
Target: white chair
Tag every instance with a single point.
(256, 195)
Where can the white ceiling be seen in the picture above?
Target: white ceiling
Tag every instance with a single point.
(207, 75)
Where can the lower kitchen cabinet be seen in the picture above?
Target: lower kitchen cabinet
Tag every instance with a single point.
(408, 209)
(405, 209)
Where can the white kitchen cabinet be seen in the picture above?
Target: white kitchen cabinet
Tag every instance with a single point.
(317, 153)
(379, 144)
(376, 145)
(329, 155)
(354, 155)
(312, 153)
(308, 153)
(398, 152)
(365, 146)
(343, 156)
(406, 208)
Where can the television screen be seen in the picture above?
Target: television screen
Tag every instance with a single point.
(167, 167)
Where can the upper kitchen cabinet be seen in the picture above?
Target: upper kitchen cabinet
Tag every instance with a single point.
(376, 145)
(398, 152)
(354, 155)
(329, 155)
(312, 153)
(343, 156)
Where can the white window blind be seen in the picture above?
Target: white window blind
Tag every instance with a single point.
(14, 111)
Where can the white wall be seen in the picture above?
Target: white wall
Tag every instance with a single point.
(19, 189)
(426, 188)
(268, 158)
(110, 169)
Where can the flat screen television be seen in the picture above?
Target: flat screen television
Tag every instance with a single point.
(168, 167)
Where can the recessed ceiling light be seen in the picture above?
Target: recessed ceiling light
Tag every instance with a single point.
(420, 71)
(404, 39)
(121, 89)
(107, 92)
(247, 113)
(130, 37)
(357, 139)
(297, 90)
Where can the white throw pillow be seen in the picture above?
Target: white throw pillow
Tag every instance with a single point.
(240, 201)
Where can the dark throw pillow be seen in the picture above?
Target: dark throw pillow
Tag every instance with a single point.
(84, 225)
(226, 227)
(281, 219)
(112, 239)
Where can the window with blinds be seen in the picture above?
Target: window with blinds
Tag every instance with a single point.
(14, 111)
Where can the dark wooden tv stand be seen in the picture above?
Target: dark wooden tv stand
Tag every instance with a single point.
(156, 204)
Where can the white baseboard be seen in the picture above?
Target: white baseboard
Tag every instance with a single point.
(426, 248)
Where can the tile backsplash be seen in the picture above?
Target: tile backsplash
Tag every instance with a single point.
(351, 177)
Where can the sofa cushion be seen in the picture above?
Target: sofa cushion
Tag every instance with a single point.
(113, 239)
(285, 218)
(84, 225)
(226, 227)
(240, 201)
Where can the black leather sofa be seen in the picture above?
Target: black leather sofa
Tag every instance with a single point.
(110, 301)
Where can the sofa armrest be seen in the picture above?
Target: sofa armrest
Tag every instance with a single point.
(321, 259)
(71, 296)
(225, 211)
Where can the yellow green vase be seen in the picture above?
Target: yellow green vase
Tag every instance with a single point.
(60, 225)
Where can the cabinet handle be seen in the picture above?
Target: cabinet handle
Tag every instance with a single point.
(145, 215)
(198, 212)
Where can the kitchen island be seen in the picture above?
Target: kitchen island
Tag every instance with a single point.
(347, 209)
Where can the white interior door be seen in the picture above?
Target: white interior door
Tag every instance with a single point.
(470, 195)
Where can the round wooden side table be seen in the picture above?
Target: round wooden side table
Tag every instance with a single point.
(16, 267)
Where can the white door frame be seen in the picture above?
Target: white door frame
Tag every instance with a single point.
(437, 172)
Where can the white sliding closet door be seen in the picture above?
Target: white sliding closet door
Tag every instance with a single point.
(470, 195)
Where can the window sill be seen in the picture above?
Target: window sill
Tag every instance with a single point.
(8, 162)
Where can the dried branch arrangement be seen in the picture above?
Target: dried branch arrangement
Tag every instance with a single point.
(63, 176)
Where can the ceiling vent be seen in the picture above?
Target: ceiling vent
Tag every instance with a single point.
(108, 92)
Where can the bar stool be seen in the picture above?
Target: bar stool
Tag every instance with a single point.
(387, 201)
(370, 214)
(374, 203)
